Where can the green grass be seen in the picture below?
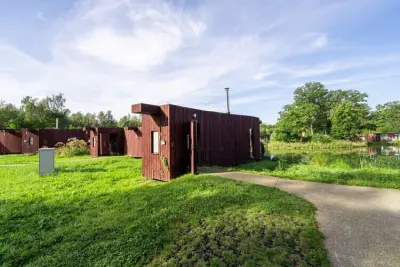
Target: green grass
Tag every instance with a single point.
(348, 169)
(103, 213)
(309, 146)
(27, 159)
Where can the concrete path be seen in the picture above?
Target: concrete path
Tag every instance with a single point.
(361, 224)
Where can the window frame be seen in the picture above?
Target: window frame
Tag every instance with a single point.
(153, 143)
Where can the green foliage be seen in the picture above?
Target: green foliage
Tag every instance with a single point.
(326, 167)
(322, 138)
(310, 146)
(103, 213)
(266, 129)
(106, 120)
(388, 117)
(72, 148)
(79, 120)
(164, 162)
(348, 119)
(130, 121)
(317, 110)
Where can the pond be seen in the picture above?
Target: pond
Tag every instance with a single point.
(380, 150)
(371, 151)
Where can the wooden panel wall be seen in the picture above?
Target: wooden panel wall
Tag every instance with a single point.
(94, 143)
(26, 147)
(152, 164)
(223, 139)
(10, 142)
(101, 148)
(133, 142)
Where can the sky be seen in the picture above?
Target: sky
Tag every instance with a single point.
(108, 55)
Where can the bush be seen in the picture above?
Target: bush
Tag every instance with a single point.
(282, 137)
(72, 148)
(321, 138)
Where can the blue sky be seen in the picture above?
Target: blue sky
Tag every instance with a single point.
(110, 54)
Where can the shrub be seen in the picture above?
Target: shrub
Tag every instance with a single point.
(282, 137)
(321, 138)
(72, 148)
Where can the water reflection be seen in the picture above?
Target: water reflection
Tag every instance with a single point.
(380, 150)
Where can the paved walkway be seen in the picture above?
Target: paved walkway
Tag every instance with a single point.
(361, 224)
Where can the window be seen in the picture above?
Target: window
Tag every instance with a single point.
(251, 143)
(94, 141)
(31, 141)
(154, 142)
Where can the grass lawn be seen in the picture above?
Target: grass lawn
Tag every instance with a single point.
(347, 169)
(103, 213)
(27, 159)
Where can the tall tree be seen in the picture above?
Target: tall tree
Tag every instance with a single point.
(80, 120)
(388, 117)
(129, 121)
(314, 97)
(106, 119)
(9, 116)
(348, 119)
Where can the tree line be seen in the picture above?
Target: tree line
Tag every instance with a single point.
(42, 113)
(341, 114)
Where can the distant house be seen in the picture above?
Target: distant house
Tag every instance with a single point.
(385, 137)
(176, 140)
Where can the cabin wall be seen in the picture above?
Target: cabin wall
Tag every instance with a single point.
(223, 139)
(100, 141)
(27, 146)
(133, 142)
(10, 141)
(152, 163)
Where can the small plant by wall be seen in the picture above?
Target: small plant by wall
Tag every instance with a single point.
(164, 162)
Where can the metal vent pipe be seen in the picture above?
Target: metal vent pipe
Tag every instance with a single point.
(227, 100)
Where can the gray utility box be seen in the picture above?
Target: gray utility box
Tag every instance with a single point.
(46, 161)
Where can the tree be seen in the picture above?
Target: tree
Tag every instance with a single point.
(348, 119)
(129, 121)
(388, 117)
(106, 120)
(42, 113)
(313, 99)
(80, 120)
(9, 116)
(296, 120)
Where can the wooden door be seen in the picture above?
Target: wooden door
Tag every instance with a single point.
(104, 144)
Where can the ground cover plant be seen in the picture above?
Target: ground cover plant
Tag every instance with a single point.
(34, 158)
(103, 213)
(340, 168)
(315, 146)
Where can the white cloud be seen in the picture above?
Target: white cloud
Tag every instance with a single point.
(321, 41)
(111, 54)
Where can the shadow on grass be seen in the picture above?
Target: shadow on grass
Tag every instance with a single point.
(192, 219)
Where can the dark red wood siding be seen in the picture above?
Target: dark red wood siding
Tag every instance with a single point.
(102, 141)
(133, 142)
(27, 148)
(152, 164)
(223, 139)
(10, 142)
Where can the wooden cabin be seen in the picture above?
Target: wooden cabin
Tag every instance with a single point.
(176, 140)
(10, 141)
